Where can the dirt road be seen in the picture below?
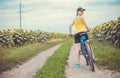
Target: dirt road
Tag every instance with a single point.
(84, 71)
(28, 69)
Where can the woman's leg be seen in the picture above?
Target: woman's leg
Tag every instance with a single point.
(78, 49)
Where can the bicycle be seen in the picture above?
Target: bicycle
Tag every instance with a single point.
(87, 51)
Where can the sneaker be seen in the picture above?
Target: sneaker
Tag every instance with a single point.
(94, 59)
(77, 65)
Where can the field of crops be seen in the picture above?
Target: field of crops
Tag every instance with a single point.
(108, 31)
(18, 45)
(20, 37)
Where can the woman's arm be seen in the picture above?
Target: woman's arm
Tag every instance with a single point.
(70, 27)
(84, 22)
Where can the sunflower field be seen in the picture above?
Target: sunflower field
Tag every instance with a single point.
(20, 37)
(107, 31)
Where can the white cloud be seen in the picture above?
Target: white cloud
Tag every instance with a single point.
(98, 0)
(42, 14)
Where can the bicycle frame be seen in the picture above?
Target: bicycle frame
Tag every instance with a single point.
(83, 47)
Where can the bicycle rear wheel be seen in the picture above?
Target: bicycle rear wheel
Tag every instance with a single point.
(90, 61)
(90, 58)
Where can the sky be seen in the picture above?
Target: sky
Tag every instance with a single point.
(55, 15)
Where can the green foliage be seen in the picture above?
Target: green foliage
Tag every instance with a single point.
(108, 56)
(55, 65)
(20, 37)
(13, 56)
(108, 31)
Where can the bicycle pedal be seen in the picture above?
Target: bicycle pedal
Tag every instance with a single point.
(80, 53)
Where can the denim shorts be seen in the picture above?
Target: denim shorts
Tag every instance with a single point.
(77, 36)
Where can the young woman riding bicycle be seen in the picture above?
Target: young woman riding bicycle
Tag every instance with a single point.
(80, 27)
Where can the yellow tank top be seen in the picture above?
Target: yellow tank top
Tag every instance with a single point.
(79, 26)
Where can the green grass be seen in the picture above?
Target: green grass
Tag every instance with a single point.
(108, 55)
(11, 57)
(55, 65)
